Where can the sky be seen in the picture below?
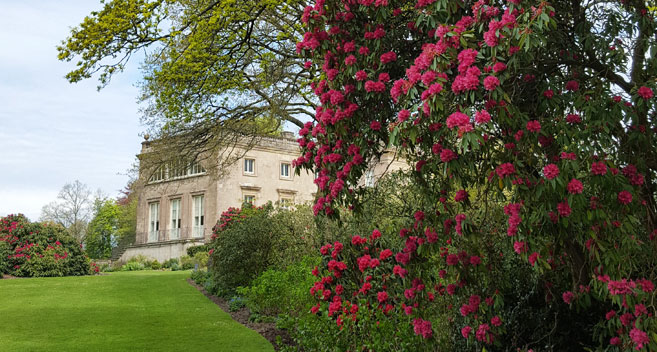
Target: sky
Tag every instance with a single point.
(53, 132)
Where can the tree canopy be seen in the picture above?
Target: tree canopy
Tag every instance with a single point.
(211, 68)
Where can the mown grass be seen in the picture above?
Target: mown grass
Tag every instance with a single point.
(123, 311)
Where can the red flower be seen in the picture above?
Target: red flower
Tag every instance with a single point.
(388, 57)
(461, 196)
(599, 168)
(482, 117)
(645, 92)
(491, 82)
(568, 297)
(533, 126)
(564, 209)
(575, 187)
(465, 331)
(572, 86)
(573, 118)
(624, 197)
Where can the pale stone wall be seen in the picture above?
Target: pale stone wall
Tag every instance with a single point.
(265, 183)
(162, 251)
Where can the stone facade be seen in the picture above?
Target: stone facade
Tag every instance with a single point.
(174, 214)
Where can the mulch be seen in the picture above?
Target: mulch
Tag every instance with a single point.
(267, 330)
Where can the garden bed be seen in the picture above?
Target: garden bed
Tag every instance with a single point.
(267, 330)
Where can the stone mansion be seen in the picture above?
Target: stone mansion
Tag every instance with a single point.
(177, 209)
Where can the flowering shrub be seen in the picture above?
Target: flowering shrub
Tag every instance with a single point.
(521, 104)
(248, 241)
(35, 249)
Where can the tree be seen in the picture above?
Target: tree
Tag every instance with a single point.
(103, 229)
(217, 70)
(72, 209)
(543, 113)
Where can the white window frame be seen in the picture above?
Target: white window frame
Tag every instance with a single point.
(287, 176)
(198, 230)
(153, 221)
(195, 168)
(245, 198)
(174, 231)
(249, 171)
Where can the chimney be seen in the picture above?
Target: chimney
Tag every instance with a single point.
(288, 135)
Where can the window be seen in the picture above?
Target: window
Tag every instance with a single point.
(197, 223)
(249, 166)
(177, 169)
(285, 203)
(174, 231)
(196, 168)
(154, 222)
(158, 175)
(369, 178)
(249, 198)
(285, 170)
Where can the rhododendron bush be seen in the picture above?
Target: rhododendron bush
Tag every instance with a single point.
(35, 249)
(543, 110)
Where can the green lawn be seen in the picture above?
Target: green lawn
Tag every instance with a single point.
(123, 311)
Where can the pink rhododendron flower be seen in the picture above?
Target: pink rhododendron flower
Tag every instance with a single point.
(388, 57)
(572, 86)
(568, 297)
(639, 338)
(491, 82)
(564, 209)
(599, 168)
(422, 327)
(624, 197)
(575, 187)
(505, 169)
(520, 247)
(533, 126)
(482, 117)
(465, 331)
(447, 155)
(645, 92)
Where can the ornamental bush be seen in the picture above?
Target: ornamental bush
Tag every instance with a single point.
(191, 251)
(31, 249)
(281, 291)
(532, 135)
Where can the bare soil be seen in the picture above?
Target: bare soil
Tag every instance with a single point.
(267, 330)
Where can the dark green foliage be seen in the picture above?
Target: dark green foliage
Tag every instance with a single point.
(5, 251)
(249, 242)
(243, 250)
(236, 303)
(169, 263)
(200, 277)
(156, 265)
(102, 232)
(278, 291)
(191, 251)
(187, 263)
(37, 249)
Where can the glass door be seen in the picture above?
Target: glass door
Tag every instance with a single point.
(154, 222)
(174, 231)
(197, 229)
